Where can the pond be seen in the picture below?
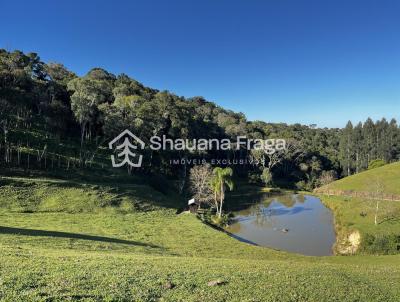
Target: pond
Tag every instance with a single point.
(293, 223)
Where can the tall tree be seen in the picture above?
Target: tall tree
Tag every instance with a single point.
(200, 183)
(222, 179)
(347, 148)
(86, 96)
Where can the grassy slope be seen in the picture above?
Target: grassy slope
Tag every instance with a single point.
(348, 219)
(389, 175)
(129, 247)
(348, 209)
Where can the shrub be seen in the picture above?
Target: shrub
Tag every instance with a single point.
(254, 178)
(327, 177)
(380, 244)
(304, 186)
(220, 221)
(266, 177)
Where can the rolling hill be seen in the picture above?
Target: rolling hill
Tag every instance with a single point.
(86, 241)
(366, 207)
(388, 176)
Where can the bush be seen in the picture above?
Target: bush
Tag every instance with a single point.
(206, 215)
(220, 221)
(304, 186)
(327, 177)
(266, 177)
(376, 164)
(254, 178)
(380, 244)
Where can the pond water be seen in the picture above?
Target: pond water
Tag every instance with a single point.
(294, 223)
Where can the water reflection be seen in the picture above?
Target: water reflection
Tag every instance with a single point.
(295, 223)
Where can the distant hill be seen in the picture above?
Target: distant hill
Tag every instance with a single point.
(365, 182)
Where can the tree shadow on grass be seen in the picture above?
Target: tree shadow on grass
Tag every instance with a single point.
(30, 232)
(142, 195)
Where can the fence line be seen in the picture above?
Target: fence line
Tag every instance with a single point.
(367, 195)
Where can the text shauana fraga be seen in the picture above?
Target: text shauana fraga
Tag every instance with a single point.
(202, 144)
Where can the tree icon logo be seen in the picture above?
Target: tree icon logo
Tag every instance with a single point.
(124, 152)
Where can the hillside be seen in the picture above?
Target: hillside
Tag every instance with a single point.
(388, 176)
(74, 228)
(366, 205)
(55, 121)
(86, 241)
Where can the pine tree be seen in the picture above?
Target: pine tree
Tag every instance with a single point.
(347, 149)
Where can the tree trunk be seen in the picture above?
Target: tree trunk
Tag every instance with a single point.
(216, 200)
(83, 128)
(221, 199)
(357, 166)
(5, 131)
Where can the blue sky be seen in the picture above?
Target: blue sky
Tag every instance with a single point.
(312, 62)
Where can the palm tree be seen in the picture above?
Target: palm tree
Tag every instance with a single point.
(221, 180)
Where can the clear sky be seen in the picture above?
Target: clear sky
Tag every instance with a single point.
(322, 62)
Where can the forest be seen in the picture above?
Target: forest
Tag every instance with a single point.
(52, 119)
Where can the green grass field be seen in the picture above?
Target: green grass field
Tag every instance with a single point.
(354, 205)
(388, 175)
(356, 215)
(71, 241)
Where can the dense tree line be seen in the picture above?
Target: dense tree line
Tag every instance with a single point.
(365, 142)
(50, 118)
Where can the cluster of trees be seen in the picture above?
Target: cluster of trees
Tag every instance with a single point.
(50, 118)
(208, 185)
(365, 143)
